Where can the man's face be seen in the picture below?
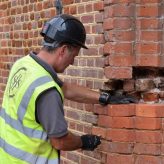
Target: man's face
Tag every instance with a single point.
(69, 54)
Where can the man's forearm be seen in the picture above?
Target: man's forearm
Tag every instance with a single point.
(68, 142)
(80, 94)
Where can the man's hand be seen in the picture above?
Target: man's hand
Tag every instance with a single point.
(121, 99)
(90, 142)
(107, 98)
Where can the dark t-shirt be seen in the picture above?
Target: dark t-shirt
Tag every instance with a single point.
(49, 106)
(50, 113)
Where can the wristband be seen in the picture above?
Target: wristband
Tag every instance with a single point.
(104, 98)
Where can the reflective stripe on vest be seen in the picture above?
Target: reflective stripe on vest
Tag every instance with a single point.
(22, 110)
(28, 94)
(18, 126)
(25, 156)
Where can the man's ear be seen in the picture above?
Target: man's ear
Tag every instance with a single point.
(63, 50)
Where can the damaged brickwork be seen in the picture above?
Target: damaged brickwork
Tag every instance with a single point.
(134, 48)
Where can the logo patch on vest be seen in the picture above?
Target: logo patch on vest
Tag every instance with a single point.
(16, 81)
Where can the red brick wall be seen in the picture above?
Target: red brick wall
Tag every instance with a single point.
(126, 49)
(131, 133)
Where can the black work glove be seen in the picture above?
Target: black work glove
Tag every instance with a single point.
(106, 98)
(121, 99)
(90, 142)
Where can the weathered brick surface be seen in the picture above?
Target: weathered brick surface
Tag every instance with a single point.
(125, 40)
(134, 133)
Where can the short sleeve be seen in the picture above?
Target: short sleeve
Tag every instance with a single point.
(50, 113)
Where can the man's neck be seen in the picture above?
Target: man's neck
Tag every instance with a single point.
(46, 57)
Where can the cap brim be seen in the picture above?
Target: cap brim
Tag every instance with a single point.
(84, 46)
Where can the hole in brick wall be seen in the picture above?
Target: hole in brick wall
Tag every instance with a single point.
(148, 78)
(146, 84)
(147, 72)
(149, 82)
(114, 84)
(113, 87)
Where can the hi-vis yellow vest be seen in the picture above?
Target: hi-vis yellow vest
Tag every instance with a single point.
(22, 139)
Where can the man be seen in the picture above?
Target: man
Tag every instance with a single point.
(32, 124)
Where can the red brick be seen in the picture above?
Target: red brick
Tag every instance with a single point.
(149, 110)
(39, 6)
(149, 23)
(148, 123)
(87, 19)
(80, 9)
(5, 73)
(150, 97)
(120, 135)
(121, 110)
(118, 1)
(89, 7)
(120, 36)
(98, 6)
(124, 10)
(73, 10)
(118, 47)
(73, 157)
(162, 149)
(152, 137)
(88, 107)
(73, 114)
(108, 48)
(99, 39)
(97, 29)
(105, 146)
(122, 23)
(147, 149)
(72, 125)
(88, 129)
(148, 60)
(79, 127)
(99, 109)
(123, 48)
(108, 24)
(3, 6)
(121, 60)
(88, 160)
(94, 154)
(99, 131)
(122, 122)
(108, 11)
(99, 17)
(149, 11)
(148, 48)
(67, 2)
(162, 129)
(144, 159)
(90, 118)
(121, 147)
(151, 36)
(118, 72)
(104, 121)
(147, 1)
(120, 159)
